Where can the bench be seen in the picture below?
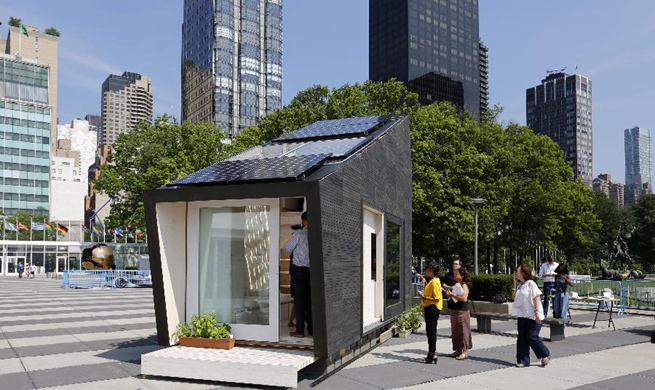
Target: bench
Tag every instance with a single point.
(484, 323)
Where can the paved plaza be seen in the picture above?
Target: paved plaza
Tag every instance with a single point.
(54, 338)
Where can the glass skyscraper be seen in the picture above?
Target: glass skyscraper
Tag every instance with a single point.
(433, 47)
(638, 163)
(25, 120)
(231, 61)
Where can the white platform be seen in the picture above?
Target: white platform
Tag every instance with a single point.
(252, 365)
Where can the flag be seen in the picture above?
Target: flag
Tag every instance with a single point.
(118, 232)
(85, 229)
(23, 30)
(49, 226)
(21, 226)
(96, 231)
(61, 228)
(38, 226)
(139, 233)
(10, 226)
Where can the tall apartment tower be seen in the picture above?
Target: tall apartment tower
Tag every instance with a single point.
(433, 47)
(26, 118)
(231, 61)
(560, 108)
(44, 50)
(638, 143)
(126, 101)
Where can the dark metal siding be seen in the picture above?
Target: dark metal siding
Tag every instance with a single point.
(380, 177)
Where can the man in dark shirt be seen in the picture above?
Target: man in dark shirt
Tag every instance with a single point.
(448, 280)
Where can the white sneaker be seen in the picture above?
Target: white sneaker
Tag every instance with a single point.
(545, 361)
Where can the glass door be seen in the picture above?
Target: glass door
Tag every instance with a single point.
(233, 267)
(62, 264)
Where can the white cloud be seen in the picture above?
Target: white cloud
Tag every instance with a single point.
(89, 62)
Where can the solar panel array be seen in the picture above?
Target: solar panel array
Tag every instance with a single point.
(334, 128)
(278, 168)
(291, 156)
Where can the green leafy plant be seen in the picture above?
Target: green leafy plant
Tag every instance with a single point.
(485, 287)
(204, 325)
(409, 320)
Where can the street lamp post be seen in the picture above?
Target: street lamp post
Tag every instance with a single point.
(476, 202)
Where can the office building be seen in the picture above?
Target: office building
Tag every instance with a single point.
(126, 101)
(25, 121)
(75, 153)
(614, 191)
(560, 108)
(231, 61)
(410, 39)
(638, 144)
(41, 49)
(95, 124)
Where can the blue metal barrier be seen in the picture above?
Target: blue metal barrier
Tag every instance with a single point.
(107, 279)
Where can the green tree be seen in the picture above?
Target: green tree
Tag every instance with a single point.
(15, 22)
(52, 31)
(615, 222)
(642, 242)
(151, 156)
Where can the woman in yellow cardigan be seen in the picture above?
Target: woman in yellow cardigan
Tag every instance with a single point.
(432, 302)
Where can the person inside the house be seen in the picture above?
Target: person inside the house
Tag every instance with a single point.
(460, 319)
(432, 302)
(547, 273)
(300, 287)
(527, 307)
(562, 283)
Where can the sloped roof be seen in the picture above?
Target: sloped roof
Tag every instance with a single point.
(293, 156)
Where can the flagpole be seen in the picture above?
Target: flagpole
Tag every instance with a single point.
(4, 226)
(31, 220)
(17, 229)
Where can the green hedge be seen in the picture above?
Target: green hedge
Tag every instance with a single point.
(485, 287)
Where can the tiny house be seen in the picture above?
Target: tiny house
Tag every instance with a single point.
(216, 238)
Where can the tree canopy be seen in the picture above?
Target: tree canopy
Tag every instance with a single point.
(15, 22)
(151, 156)
(52, 31)
(532, 200)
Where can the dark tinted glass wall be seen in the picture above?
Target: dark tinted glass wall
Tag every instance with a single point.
(411, 38)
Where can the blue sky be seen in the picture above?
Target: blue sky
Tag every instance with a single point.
(326, 42)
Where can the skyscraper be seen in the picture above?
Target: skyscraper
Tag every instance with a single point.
(429, 45)
(25, 122)
(231, 61)
(560, 108)
(43, 49)
(126, 101)
(638, 163)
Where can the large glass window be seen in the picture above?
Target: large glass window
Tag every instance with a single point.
(234, 263)
(393, 255)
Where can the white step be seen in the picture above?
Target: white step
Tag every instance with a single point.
(251, 365)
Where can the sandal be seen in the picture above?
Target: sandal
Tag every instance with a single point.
(454, 354)
(462, 356)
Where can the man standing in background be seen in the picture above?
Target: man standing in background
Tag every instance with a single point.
(547, 273)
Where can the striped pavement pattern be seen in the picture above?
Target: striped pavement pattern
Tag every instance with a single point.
(53, 338)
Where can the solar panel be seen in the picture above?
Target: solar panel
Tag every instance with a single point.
(222, 171)
(278, 168)
(266, 151)
(333, 128)
(335, 147)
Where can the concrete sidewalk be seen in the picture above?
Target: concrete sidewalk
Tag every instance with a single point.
(52, 338)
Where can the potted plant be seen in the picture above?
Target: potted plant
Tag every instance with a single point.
(408, 321)
(204, 332)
